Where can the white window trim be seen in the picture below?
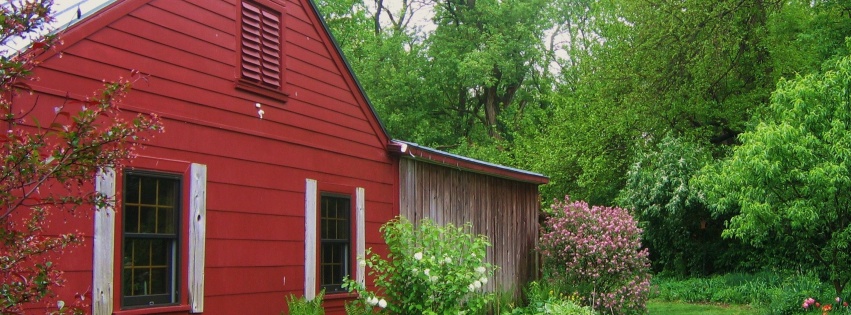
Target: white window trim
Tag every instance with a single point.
(310, 240)
(103, 268)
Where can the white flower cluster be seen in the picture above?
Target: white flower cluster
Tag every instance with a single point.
(373, 301)
(477, 284)
(431, 278)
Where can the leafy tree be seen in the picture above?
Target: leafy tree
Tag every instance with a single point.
(695, 69)
(791, 177)
(49, 158)
(680, 231)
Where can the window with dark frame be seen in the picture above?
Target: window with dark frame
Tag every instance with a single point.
(150, 239)
(335, 241)
(261, 45)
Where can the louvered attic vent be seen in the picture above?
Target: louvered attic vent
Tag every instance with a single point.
(261, 45)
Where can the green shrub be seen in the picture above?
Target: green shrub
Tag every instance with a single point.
(545, 298)
(787, 297)
(301, 306)
(775, 293)
(430, 269)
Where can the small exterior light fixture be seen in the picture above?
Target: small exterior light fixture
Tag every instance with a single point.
(260, 111)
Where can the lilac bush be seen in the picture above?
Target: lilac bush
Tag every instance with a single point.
(596, 252)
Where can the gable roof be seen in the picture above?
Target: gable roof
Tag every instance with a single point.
(96, 14)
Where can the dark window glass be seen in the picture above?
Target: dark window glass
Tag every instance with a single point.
(150, 239)
(335, 237)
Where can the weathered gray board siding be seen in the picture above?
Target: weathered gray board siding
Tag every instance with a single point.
(504, 210)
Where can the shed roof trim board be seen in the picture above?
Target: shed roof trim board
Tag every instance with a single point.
(417, 152)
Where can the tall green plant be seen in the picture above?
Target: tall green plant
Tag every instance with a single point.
(791, 177)
(429, 269)
(302, 306)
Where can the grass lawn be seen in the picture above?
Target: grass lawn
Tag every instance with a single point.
(662, 308)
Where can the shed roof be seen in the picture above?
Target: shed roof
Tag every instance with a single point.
(415, 151)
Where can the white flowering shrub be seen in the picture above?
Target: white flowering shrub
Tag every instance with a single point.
(429, 269)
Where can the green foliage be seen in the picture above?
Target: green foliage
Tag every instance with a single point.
(301, 306)
(681, 233)
(791, 177)
(546, 298)
(357, 307)
(772, 292)
(568, 88)
(429, 269)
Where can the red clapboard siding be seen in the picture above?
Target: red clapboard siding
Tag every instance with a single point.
(298, 53)
(156, 33)
(256, 168)
(271, 303)
(307, 81)
(220, 7)
(241, 253)
(242, 280)
(264, 226)
(165, 53)
(224, 143)
(202, 15)
(204, 25)
(330, 77)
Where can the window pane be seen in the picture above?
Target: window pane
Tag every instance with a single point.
(131, 219)
(159, 280)
(141, 253)
(147, 220)
(160, 252)
(149, 189)
(166, 192)
(150, 242)
(165, 221)
(131, 194)
(335, 236)
(127, 282)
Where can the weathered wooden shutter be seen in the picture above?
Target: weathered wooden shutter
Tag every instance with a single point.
(360, 229)
(261, 45)
(197, 235)
(310, 216)
(104, 246)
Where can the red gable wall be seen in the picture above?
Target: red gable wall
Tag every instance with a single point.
(256, 168)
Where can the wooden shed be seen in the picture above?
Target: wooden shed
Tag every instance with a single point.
(501, 203)
(273, 174)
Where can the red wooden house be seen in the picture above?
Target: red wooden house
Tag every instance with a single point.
(274, 172)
